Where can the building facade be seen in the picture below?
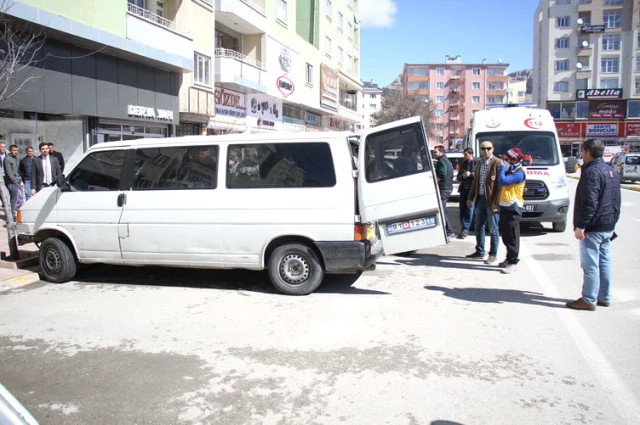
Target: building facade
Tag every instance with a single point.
(587, 69)
(99, 73)
(286, 65)
(370, 101)
(457, 89)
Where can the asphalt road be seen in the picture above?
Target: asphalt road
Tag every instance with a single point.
(431, 338)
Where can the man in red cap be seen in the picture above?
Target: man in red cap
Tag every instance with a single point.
(511, 180)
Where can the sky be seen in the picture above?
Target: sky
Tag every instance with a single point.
(395, 32)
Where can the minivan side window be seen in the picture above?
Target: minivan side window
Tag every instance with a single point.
(396, 153)
(278, 165)
(98, 171)
(176, 168)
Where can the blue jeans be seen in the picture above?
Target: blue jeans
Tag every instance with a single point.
(466, 213)
(596, 265)
(27, 190)
(485, 217)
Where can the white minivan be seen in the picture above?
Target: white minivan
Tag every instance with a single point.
(546, 196)
(298, 204)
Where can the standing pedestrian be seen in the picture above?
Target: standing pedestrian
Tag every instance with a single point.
(484, 196)
(45, 171)
(26, 164)
(444, 174)
(595, 214)
(511, 179)
(58, 155)
(465, 177)
(3, 155)
(12, 178)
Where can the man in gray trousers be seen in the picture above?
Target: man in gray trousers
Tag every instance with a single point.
(12, 178)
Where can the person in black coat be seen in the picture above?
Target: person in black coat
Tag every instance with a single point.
(45, 170)
(465, 177)
(595, 214)
(58, 155)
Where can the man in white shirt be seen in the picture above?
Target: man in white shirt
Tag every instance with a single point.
(45, 170)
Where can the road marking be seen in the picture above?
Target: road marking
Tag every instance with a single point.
(626, 403)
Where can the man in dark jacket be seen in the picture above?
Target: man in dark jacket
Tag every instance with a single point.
(58, 155)
(444, 173)
(25, 172)
(465, 177)
(596, 212)
(45, 171)
(12, 177)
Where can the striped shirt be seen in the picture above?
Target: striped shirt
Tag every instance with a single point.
(484, 168)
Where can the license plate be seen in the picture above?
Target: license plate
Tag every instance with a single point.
(529, 208)
(411, 225)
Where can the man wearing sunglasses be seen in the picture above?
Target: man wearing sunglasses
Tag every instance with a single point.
(485, 195)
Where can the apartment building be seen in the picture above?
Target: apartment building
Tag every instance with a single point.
(370, 100)
(587, 68)
(517, 91)
(103, 71)
(286, 65)
(457, 89)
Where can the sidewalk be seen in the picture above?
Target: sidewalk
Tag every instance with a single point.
(627, 186)
(14, 274)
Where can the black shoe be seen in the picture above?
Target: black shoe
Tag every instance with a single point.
(462, 235)
(475, 255)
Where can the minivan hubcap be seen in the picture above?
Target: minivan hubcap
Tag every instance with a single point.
(294, 268)
(52, 260)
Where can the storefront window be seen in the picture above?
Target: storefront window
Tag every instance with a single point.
(633, 108)
(582, 109)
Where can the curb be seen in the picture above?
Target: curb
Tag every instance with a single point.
(21, 279)
(634, 188)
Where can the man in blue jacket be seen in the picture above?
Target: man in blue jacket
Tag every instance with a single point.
(596, 212)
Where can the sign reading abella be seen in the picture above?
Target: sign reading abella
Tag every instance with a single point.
(602, 130)
(583, 94)
(608, 109)
(570, 129)
(328, 88)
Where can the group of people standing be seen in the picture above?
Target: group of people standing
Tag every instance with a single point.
(492, 192)
(30, 174)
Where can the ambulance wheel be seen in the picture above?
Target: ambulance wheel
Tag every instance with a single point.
(560, 226)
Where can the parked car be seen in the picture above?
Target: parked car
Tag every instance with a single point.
(628, 165)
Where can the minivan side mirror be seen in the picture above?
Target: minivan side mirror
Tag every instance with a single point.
(61, 181)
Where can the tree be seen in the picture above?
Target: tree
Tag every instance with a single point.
(20, 47)
(397, 105)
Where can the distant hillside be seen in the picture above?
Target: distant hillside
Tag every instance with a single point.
(522, 75)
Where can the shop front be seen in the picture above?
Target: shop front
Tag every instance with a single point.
(230, 112)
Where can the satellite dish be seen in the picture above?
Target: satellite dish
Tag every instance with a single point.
(585, 43)
(499, 60)
(579, 65)
(580, 21)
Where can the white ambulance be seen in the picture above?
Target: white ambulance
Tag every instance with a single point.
(533, 131)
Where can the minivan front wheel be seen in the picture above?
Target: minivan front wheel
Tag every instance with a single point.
(57, 261)
(295, 269)
(560, 226)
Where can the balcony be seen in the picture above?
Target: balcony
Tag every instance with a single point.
(418, 92)
(584, 50)
(497, 92)
(197, 104)
(234, 68)
(584, 5)
(244, 16)
(153, 30)
(584, 72)
(497, 78)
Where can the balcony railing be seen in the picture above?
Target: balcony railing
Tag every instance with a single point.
(348, 103)
(584, 69)
(152, 17)
(232, 54)
(255, 6)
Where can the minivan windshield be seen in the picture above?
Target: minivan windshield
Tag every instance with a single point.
(541, 145)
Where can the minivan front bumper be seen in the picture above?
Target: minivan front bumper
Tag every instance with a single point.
(551, 211)
(349, 257)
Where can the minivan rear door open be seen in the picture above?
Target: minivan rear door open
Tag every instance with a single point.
(400, 192)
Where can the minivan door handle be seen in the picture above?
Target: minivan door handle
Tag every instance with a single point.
(122, 199)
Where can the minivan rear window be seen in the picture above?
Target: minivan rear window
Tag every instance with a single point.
(279, 165)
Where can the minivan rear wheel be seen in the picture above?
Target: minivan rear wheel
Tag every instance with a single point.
(57, 261)
(295, 269)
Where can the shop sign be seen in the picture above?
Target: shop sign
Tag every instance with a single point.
(585, 94)
(313, 118)
(293, 124)
(265, 123)
(266, 107)
(285, 86)
(230, 103)
(608, 109)
(570, 129)
(328, 88)
(592, 29)
(150, 113)
(602, 130)
(632, 129)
